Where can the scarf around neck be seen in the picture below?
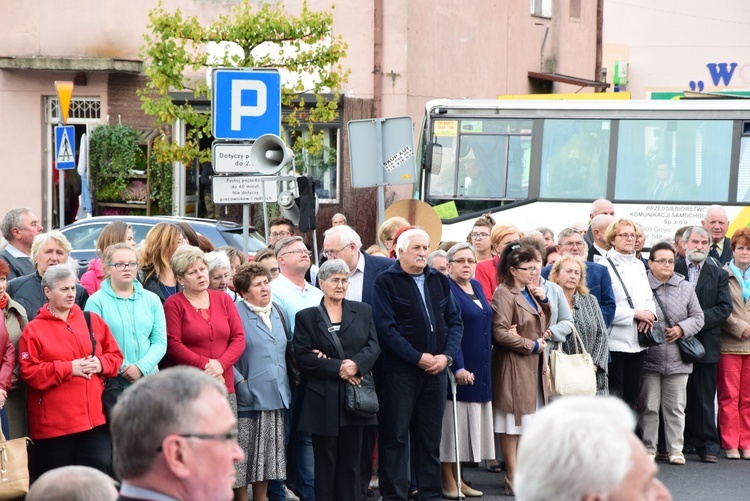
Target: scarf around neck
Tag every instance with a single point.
(264, 313)
(742, 278)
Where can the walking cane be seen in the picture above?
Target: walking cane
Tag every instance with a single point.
(455, 432)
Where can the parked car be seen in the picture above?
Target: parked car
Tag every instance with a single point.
(84, 233)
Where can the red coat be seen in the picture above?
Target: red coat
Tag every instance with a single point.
(193, 340)
(486, 274)
(57, 402)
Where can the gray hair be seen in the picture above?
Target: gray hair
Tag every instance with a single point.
(285, 242)
(346, 235)
(405, 239)
(459, 247)
(217, 259)
(695, 229)
(342, 217)
(13, 219)
(438, 253)
(715, 208)
(553, 463)
(73, 483)
(55, 274)
(333, 267)
(42, 239)
(566, 233)
(151, 409)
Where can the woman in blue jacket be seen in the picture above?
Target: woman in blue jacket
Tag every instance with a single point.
(261, 383)
(134, 315)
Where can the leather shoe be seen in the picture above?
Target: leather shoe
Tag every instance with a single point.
(709, 458)
(467, 491)
(451, 495)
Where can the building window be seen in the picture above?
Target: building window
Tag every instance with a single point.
(575, 9)
(323, 166)
(541, 8)
(81, 108)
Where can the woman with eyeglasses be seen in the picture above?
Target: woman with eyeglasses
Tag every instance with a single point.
(203, 327)
(665, 375)
(330, 363)
(634, 309)
(154, 260)
(114, 233)
(471, 368)
(479, 237)
(520, 385)
(134, 315)
(63, 361)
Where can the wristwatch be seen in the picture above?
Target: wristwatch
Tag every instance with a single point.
(450, 359)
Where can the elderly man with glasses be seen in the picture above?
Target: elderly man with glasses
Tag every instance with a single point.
(570, 242)
(175, 437)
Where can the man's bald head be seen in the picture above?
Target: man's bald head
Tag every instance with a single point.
(601, 206)
(599, 225)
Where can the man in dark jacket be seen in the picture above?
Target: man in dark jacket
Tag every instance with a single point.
(712, 289)
(420, 329)
(19, 228)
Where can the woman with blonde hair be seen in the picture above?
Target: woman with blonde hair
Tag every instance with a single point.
(486, 274)
(569, 272)
(155, 258)
(114, 233)
(387, 231)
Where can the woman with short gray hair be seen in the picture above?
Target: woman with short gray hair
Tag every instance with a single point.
(49, 249)
(62, 359)
(339, 354)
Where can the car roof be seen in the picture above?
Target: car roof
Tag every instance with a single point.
(220, 225)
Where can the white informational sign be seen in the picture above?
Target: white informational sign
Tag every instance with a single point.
(243, 189)
(231, 158)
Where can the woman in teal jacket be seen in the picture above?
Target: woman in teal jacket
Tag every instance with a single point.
(134, 315)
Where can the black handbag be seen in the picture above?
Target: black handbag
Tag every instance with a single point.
(650, 336)
(293, 370)
(113, 387)
(691, 349)
(361, 400)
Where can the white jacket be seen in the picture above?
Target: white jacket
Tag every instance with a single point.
(623, 335)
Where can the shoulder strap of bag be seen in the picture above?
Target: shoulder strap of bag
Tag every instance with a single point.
(663, 311)
(283, 322)
(627, 294)
(87, 316)
(332, 332)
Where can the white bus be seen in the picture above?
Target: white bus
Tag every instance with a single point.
(542, 162)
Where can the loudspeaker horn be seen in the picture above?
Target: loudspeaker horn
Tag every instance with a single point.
(269, 154)
(288, 207)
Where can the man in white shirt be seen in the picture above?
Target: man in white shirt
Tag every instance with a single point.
(19, 228)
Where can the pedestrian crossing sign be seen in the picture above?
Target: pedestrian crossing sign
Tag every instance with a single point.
(65, 147)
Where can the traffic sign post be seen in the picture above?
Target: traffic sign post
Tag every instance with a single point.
(65, 142)
(245, 189)
(65, 147)
(246, 104)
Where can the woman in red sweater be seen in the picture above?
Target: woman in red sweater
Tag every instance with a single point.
(203, 327)
(64, 369)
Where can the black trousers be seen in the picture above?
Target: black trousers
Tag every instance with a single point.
(625, 370)
(700, 413)
(88, 448)
(337, 464)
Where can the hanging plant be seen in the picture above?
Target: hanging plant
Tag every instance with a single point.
(113, 155)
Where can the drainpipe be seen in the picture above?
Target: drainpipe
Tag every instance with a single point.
(599, 41)
(377, 70)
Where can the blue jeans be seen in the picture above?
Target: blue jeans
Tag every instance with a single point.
(4, 423)
(412, 408)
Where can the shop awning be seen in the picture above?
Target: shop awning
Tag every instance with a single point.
(45, 63)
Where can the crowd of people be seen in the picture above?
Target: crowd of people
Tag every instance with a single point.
(269, 365)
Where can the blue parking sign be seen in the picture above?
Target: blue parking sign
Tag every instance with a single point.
(65, 147)
(245, 104)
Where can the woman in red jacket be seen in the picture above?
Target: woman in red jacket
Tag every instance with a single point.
(64, 368)
(203, 327)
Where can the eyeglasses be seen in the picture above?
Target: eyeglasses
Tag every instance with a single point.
(668, 262)
(530, 269)
(298, 251)
(334, 253)
(573, 244)
(339, 281)
(479, 236)
(231, 436)
(280, 234)
(463, 261)
(626, 236)
(123, 266)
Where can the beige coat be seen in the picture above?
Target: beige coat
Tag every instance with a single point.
(516, 370)
(733, 327)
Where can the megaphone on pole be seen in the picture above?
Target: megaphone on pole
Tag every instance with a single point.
(269, 154)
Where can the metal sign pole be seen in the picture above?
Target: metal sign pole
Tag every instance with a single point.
(245, 224)
(265, 206)
(380, 168)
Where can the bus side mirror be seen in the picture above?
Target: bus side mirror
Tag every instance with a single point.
(433, 158)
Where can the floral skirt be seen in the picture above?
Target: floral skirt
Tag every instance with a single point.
(262, 441)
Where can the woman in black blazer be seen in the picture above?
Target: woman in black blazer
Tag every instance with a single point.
(336, 434)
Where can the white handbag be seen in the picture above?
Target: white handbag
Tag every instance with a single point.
(572, 374)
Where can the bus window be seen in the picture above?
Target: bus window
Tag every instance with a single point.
(575, 154)
(673, 160)
(743, 178)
